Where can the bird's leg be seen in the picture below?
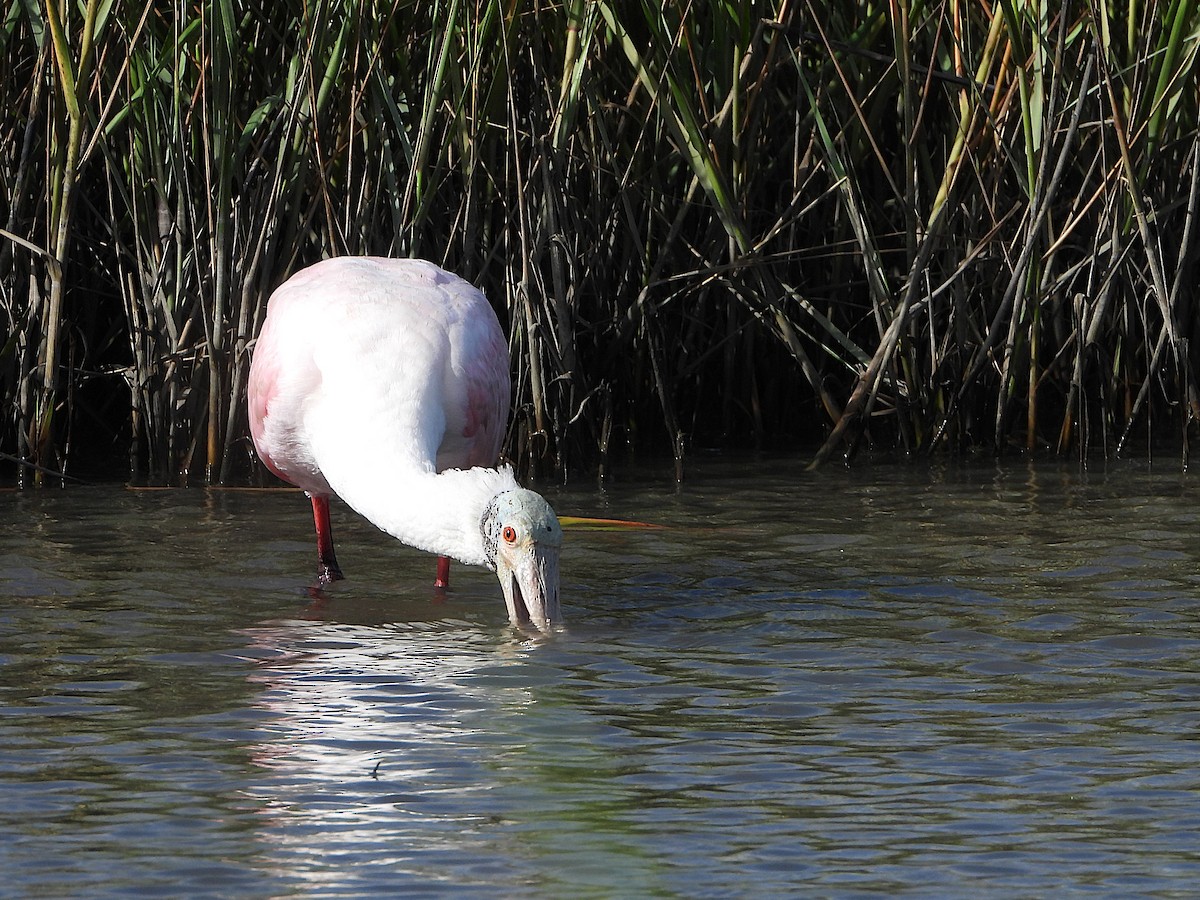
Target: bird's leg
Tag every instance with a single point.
(443, 573)
(327, 565)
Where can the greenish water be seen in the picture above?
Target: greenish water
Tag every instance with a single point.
(901, 680)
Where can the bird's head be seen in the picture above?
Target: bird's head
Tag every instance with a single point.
(522, 539)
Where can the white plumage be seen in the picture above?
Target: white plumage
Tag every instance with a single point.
(385, 381)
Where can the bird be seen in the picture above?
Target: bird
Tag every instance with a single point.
(385, 382)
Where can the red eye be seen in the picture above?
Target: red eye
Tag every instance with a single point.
(509, 534)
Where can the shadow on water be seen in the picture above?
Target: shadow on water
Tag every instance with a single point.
(905, 680)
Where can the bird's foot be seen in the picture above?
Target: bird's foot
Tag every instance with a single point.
(328, 572)
(442, 580)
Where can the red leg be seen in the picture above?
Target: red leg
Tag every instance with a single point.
(443, 573)
(327, 564)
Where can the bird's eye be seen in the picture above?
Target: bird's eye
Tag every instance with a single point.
(509, 534)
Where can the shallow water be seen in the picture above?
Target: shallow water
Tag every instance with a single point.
(907, 680)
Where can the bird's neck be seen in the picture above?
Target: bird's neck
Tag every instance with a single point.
(440, 513)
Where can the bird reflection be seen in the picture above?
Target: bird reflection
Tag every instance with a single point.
(343, 689)
(382, 739)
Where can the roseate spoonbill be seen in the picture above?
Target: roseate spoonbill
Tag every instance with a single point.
(385, 381)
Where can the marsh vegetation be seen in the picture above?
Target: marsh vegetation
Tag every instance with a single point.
(928, 226)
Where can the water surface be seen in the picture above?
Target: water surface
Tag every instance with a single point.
(904, 680)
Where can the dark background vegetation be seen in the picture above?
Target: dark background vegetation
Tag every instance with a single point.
(946, 226)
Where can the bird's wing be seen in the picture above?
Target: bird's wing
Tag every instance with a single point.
(413, 364)
(475, 399)
(283, 379)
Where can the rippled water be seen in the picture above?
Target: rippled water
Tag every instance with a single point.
(905, 680)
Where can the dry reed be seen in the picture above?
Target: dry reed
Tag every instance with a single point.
(924, 225)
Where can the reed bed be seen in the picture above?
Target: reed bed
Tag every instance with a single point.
(935, 226)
